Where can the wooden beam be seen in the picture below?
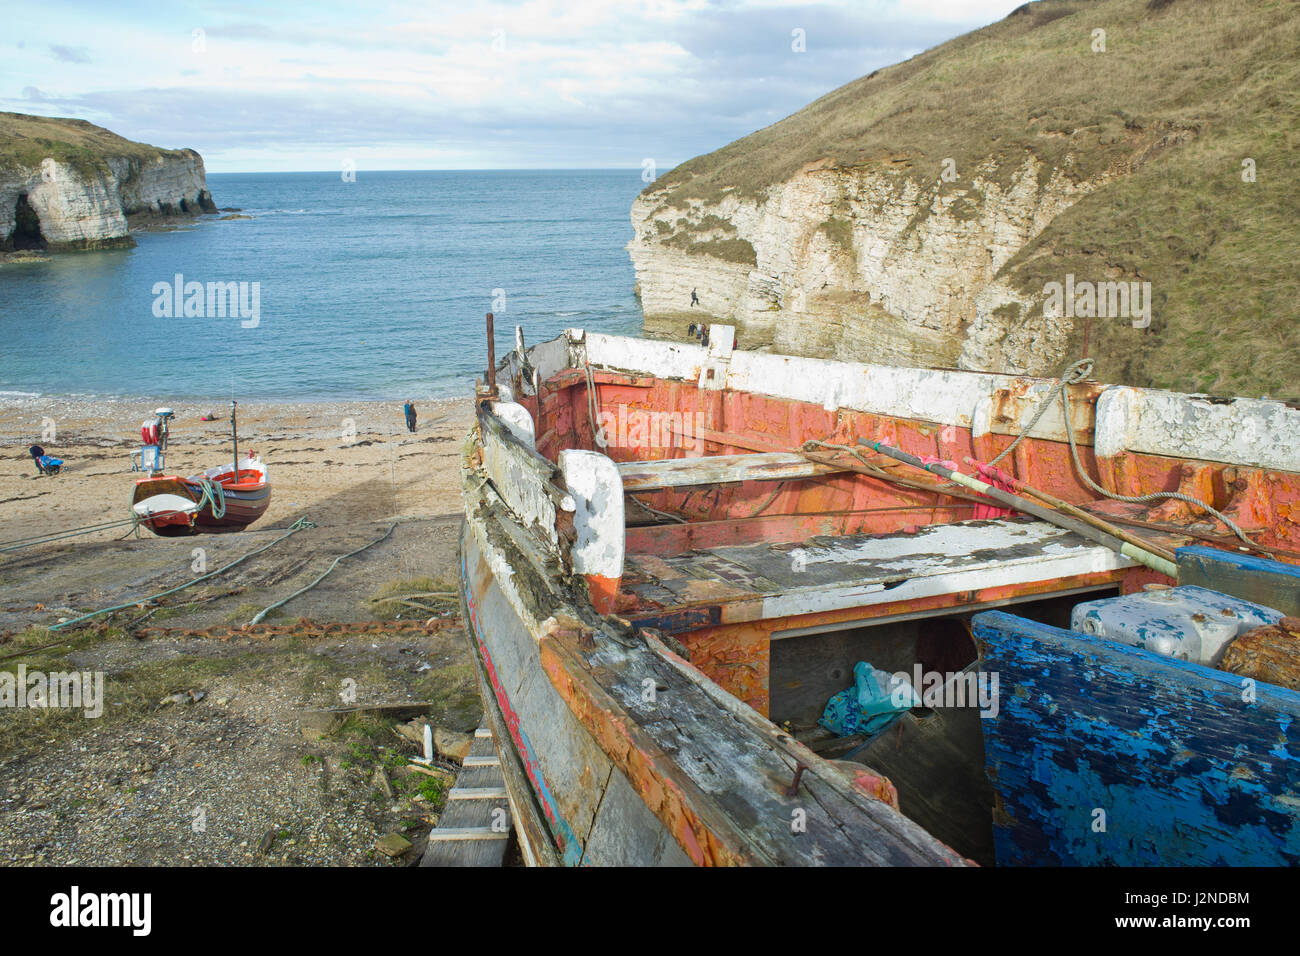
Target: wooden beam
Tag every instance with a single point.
(679, 472)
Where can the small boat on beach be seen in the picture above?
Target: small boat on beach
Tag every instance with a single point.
(1081, 604)
(222, 499)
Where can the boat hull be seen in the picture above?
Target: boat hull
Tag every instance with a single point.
(1108, 754)
(244, 504)
(592, 815)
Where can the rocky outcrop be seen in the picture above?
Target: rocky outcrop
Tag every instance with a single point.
(1013, 200)
(861, 264)
(83, 202)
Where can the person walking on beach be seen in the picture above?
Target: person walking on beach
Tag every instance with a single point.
(695, 299)
(409, 411)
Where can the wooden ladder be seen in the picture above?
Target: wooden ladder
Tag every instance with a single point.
(475, 826)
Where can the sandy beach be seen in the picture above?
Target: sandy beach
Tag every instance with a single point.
(239, 771)
(336, 463)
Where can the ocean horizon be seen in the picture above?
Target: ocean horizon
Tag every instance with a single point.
(374, 289)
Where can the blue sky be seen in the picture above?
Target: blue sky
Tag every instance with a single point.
(532, 83)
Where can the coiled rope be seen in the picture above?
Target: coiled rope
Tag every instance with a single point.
(213, 493)
(1078, 372)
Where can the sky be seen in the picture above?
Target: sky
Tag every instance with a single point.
(464, 85)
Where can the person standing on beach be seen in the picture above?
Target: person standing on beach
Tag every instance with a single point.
(409, 411)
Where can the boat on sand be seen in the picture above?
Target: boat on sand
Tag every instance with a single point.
(222, 499)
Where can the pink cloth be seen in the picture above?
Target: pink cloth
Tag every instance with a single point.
(998, 479)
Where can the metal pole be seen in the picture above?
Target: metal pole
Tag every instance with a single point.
(491, 379)
(234, 433)
(1079, 513)
(1141, 555)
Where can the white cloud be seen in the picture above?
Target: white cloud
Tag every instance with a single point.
(417, 83)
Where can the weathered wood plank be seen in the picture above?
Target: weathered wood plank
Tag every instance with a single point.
(474, 828)
(1102, 753)
(1270, 583)
(700, 759)
(681, 472)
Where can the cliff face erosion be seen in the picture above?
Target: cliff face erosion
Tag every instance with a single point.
(67, 184)
(933, 212)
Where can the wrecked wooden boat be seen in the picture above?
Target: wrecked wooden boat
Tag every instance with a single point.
(675, 555)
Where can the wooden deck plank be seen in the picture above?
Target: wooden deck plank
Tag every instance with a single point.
(862, 569)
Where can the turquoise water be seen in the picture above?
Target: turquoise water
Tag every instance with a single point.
(371, 289)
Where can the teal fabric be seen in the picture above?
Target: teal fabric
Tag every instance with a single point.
(868, 706)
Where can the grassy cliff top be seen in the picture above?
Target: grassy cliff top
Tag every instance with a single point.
(26, 140)
(1187, 98)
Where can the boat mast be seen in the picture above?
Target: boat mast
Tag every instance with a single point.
(234, 434)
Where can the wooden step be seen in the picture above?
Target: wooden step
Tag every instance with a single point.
(475, 826)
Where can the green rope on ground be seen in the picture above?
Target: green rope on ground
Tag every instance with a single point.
(293, 529)
(19, 543)
(265, 611)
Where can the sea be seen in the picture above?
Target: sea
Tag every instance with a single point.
(368, 289)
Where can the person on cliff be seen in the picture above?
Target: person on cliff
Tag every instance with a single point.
(695, 299)
(409, 411)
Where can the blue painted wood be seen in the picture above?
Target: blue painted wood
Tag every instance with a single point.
(1104, 754)
(1260, 580)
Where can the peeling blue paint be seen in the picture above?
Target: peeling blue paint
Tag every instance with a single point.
(1185, 771)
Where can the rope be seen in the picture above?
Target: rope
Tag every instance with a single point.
(293, 529)
(265, 611)
(214, 494)
(947, 489)
(18, 543)
(780, 487)
(1078, 372)
(655, 511)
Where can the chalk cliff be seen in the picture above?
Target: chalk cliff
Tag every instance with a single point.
(67, 184)
(924, 214)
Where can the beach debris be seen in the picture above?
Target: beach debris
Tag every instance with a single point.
(438, 773)
(452, 744)
(267, 841)
(392, 844)
(315, 724)
(381, 780)
(412, 730)
(184, 697)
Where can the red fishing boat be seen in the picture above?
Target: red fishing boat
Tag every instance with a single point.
(221, 499)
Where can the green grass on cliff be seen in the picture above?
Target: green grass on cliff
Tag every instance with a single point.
(1185, 91)
(26, 140)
